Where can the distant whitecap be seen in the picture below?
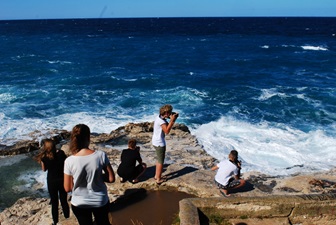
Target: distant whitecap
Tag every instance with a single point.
(314, 48)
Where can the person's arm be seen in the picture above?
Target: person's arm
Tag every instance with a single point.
(68, 183)
(214, 168)
(109, 176)
(138, 156)
(167, 127)
(43, 166)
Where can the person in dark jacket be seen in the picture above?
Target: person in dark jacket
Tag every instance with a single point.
(52, 161)
(128, 170)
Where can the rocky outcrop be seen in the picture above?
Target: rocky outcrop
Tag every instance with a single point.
(29, 146)
(187, 169)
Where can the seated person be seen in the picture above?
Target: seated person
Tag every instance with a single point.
(127, 170)
(228, 174)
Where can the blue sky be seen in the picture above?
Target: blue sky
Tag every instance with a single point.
(51, 9)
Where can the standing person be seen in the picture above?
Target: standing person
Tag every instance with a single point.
(160, 129)
(228, 174)
(127, 169)
(52, 160)
(84, 174)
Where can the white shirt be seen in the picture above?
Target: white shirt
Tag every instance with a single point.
(226, 170)
(89, 188)
(158, 138)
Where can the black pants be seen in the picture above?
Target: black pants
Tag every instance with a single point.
(84, 215)
(56, 190)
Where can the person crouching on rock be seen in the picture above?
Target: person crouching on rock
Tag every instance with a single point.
(52, 160)
(127, 170)
(228, 174)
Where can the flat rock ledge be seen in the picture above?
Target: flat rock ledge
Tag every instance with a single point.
(300, 199)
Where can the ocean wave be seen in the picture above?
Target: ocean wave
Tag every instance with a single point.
(307, 47)
(6, 97)
(274, 148)
(314, 48)
(267, 94)
(58, 62)
(18, 57)
(37, 129)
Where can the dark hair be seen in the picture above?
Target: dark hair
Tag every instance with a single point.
(80, 138)
(234, 155)
(132, 143)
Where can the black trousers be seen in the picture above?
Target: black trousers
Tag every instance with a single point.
(56, 191)
(84, 215)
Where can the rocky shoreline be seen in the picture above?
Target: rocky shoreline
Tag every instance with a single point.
(187, 169)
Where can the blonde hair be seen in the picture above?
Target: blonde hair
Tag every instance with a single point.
(80, 138)
(166, 109)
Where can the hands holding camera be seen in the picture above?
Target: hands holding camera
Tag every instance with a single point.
(174, 115)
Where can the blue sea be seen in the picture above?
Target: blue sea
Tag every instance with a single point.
(263, 86)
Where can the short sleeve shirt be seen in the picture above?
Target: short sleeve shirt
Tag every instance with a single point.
(226, 169)
(158, 138)
(89, 188)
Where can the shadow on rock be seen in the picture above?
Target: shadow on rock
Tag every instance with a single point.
(181, 172)
(246, 188)
(131, 196)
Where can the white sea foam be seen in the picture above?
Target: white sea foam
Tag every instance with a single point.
(31, 178)
(38, 129)
(269, 93)
(58, 62)
(6, 97)
(273, 149)
(314, 48)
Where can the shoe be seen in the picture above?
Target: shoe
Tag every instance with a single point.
(162, 180)
(224, 195)
(135, 181)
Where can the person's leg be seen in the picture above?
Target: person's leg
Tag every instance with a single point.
(101, 215)
(53, 192)
(158, 171)
(83, 215)
(139, 170)
(64, 200)
(222, 189)
(234, 184)
(239, 183)
(160, 152)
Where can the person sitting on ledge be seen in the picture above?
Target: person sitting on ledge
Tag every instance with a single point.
(228, 174)
(127, 170)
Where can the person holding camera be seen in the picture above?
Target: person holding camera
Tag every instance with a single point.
(161, 128)
(127, 170)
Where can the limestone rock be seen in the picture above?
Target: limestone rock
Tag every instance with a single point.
(187, 167)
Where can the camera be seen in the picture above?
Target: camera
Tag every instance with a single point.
(173, 113)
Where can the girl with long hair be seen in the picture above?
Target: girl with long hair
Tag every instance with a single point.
(52, 160)
(85, 172)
